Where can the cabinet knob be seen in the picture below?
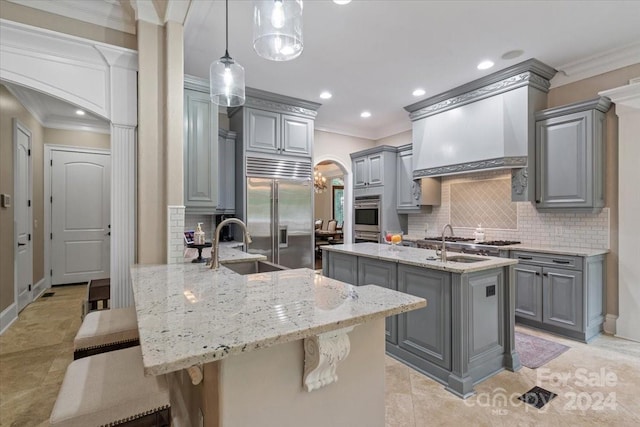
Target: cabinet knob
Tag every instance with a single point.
(537, 201)
(537, 273)
(545, 274)
(284, 149)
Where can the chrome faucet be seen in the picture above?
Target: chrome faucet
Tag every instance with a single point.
(443, 251)
(215, 258)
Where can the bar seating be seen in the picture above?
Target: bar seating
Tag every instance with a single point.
(98, 290)
(106, 330)
(110, 389)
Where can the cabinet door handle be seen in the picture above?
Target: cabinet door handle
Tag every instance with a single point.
(537, 201)
(524, 257)
(284, 149)
(545, 274)
(560, 261)
(537, 273)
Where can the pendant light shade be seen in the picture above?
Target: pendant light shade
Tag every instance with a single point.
(226, 76)
(277, 29)
(226, 82)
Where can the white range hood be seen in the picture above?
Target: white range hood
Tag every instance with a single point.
(483, 125)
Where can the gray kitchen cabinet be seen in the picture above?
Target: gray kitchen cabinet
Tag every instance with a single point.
(559, 293)
(275, 133)
(426, 332)
(368, 170)
(341, 267)
(381, 273)
(413, 194)
(226, 172)
(201, 188)
(570, 156)
(528, 284)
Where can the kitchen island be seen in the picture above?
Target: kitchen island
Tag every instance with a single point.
(283, 348)
(465, 335)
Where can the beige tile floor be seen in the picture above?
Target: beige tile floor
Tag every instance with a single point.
(36, 349)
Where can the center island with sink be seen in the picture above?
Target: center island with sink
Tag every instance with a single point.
(465, 334)
(251, 343)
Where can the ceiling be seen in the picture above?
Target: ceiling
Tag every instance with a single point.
(371, 54)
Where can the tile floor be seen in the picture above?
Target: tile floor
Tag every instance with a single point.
(36, 349)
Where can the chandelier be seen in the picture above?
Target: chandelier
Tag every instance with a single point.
(319, 182)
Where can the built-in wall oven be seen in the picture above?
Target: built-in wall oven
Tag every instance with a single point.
(367, 219)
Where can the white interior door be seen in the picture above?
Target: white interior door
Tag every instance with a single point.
(80, 212)
(22, 216)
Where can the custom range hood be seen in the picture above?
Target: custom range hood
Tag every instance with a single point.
(486, 124)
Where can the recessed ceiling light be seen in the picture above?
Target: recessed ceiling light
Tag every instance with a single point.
(80, 112)
(341, 2)
(365, 114)
(325, 95)
(485, 65)
(512, 54)
(419, 92)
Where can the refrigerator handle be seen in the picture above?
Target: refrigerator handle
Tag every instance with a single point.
(276, 222)
(283, 237)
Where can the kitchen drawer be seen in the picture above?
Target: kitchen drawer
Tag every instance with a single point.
(563, 261)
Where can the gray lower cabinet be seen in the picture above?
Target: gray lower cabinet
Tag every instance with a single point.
(462, 336)
(426, 332)
(381, 273)
(561, 294)
(570, 156)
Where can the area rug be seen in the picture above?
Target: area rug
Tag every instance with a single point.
(535, 352)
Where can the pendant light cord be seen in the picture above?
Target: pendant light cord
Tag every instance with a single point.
(226, 47)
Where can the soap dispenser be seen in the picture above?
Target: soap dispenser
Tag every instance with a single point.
(198, 236)
(479, 234)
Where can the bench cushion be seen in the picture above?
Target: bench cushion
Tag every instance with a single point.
(108, 388)
(106, 327)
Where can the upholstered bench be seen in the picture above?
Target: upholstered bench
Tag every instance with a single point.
(106, 330)
(110, 389)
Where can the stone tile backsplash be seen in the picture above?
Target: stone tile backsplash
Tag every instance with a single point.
(487, 202)
(578, 230)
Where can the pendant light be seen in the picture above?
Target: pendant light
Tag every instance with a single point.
(226, 76)
(277, 29)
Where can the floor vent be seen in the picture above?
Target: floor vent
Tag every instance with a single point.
(48, 294)
(538, 397)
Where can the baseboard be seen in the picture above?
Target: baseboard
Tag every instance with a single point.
(39, 288)
(7, 317)
(610, 321)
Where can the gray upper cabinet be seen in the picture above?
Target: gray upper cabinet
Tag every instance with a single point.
(277, 133)
(570, 156)
(297, 135)
(264, 131)
(200, 152)
(226, 172)
(368, 170)
(406, 186)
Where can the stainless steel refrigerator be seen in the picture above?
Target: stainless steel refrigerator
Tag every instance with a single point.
(279, 217)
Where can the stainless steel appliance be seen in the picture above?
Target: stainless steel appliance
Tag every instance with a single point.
(496, 248)
(366, 236)
(367, 214)
(279, 211)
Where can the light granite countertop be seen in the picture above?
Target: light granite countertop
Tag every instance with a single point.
(557, 250)
(419, 257)
(190, 315)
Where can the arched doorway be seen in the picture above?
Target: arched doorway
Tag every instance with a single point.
(331, 203)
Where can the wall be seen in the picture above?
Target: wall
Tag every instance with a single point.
(396, 140)
(334, 146)
(50, 21)
(10, 108)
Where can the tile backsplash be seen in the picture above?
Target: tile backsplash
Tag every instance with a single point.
(208, 223)
(578, 230)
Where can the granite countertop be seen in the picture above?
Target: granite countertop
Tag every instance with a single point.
(558, 250)
(418, 257)
(190, 315)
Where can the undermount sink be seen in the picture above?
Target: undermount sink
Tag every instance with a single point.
(252, 267)
(465, 259)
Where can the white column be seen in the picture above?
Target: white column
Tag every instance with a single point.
(627, 100)
(123, 208)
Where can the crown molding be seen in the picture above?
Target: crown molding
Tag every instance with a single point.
(594, 65)
(105, 13)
